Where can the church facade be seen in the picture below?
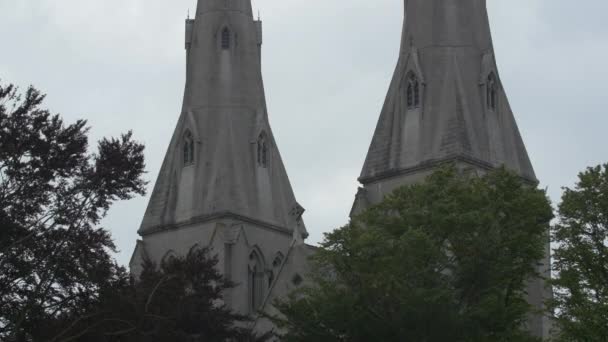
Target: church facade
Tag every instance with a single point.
(223, 184)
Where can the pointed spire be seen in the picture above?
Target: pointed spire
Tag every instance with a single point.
(225, 51)
(446, 104)
(236, 169)
(446, 50)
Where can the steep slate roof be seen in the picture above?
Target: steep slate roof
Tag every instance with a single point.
(224, 109)
(448, 45)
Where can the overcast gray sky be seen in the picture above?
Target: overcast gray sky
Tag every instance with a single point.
(327, 66)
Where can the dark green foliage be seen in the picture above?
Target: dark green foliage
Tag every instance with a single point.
(446, 260)
(180, 301)
(57, 280)
(53, 193)
(581, 259)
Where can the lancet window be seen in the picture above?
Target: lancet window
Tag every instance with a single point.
(255, 281)
(225, 38)
(188, 148)
(491, 92)
(262, 150)
(413, 91)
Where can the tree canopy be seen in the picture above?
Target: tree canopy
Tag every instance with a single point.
(444, 260)
(581, 259)
(54, 257)
(58, 281)
(179, 300)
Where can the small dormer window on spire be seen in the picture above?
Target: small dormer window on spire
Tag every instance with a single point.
(225, 38)
(188, 149)
(491, 92)
(413, 91)
(262, 150)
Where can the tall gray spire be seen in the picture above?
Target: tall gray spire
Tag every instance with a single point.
(223, 159)
(446, 100)
(446, 103)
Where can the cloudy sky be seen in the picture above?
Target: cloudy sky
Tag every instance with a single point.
(326, 64)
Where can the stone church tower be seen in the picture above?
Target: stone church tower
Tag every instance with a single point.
(222, 183)
(446, 103)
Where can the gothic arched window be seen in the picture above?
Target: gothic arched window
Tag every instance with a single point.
(168, 257)
(188, 148)
(491, 91)
(225, 38)
(297, 279)
(413, 91)
(262, 150)
(255, 281)
(278, 260)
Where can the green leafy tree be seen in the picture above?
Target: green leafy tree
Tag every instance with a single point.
(444, 260)
(581, 259)
(179, 301)
(54, 257)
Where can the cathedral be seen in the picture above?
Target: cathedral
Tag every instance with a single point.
(223, 184)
